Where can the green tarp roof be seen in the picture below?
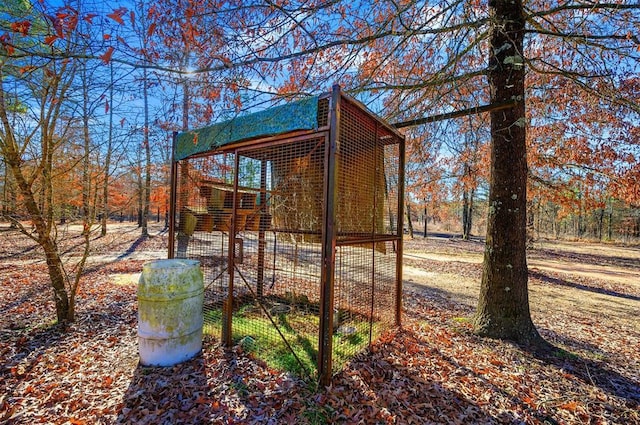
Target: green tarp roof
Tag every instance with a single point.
(299, 115)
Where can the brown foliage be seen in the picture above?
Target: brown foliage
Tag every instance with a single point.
(432, 371)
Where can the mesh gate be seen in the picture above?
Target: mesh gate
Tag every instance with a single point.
(299, 238)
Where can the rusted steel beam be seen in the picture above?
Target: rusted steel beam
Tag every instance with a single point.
(455, 114)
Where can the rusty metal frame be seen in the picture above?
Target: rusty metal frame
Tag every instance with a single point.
(327, 280)
(173, 197)
(330, 237)
(399, 250)
(262, 241)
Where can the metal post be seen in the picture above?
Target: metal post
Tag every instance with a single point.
(325, 342)
(173, 197)
(401, 161)
(262, 242)
(228, 303)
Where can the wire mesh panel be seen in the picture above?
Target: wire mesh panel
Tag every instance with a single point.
(298, 235)
(253, 218)
(204, 201)
(278, 268)
(365, 299)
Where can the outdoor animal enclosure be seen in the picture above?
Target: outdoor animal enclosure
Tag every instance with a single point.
(295, 214)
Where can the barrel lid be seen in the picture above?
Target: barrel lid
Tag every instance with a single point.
(172, 279)
(171, 263)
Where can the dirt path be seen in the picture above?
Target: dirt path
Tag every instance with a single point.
(607, 272)
(570, 287)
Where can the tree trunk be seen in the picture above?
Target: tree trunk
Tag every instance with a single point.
(580, 225)
(409, 222)
(600, 223)
(531, 216)
(86, 176)
(425, 220)
(503, 306)
(467, 214)
(609, 223)
(34, 185)
(8, 195)
(64, 307)
(107, 161)
(146, 200)
(65, 311)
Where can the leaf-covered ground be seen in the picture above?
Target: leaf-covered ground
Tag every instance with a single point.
(433, 370)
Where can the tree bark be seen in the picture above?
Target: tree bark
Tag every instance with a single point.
(146, 200)
(467, 213)
(426, 218)
(409, 222)
(503, 306)
(107, 161)
(8, 195)
(87, 215)
(609, 224)
(64, 308)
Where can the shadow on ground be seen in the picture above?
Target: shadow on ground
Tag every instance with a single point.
(564, 282)
(590, 371)
(216, 386)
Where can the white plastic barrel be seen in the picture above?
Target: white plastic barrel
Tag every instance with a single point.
(170, 297)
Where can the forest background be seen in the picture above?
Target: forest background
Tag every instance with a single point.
(92, 93)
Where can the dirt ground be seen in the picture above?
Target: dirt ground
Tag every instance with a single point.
(578, 277)
(584, 299)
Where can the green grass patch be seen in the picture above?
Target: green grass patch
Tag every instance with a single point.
(351, 338)
(256, 334)
(561, 353)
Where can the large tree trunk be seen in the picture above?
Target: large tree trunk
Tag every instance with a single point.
(503, 307)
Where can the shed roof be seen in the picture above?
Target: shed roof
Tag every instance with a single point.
(299, 115)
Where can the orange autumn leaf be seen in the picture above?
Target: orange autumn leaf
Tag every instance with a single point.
(106, 57)
(21, 27)
(529, 401)
(50, 39)
(570, 406)
(89, 17)
(117, 14)
(496, 362)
